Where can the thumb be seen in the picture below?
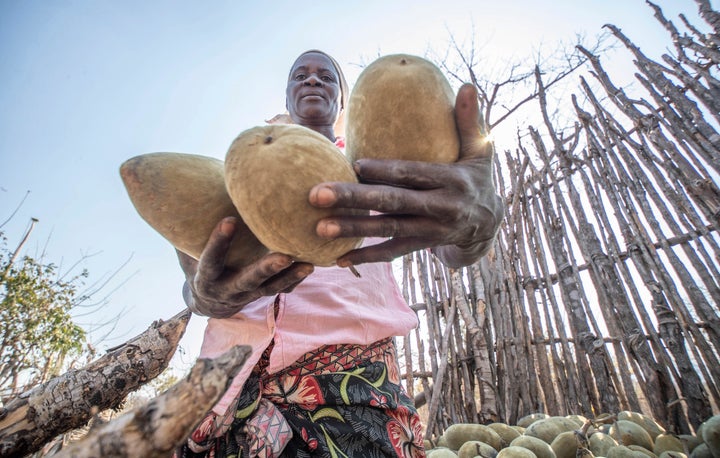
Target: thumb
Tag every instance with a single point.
(473, 141)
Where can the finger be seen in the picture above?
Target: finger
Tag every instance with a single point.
(473, 143)
(212, 260)
(405, 174)
(288, 279)
(381, 198)
(409, 174)
(383, 252)
(188, 264)
(270, 269)
(221, 310)
(379, 226)
(290, 288)
(251, 277)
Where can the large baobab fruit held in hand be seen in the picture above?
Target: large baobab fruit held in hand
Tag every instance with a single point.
(402, 107)
(269, 171)
(183, 197)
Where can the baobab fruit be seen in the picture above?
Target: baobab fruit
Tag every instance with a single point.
(637, 448)
(402, 107)
(515, 452)
(527, 420)
(650, 425)
(539, 447)
(547, 429)
(441, 442)
(672, 454)
(630, 433)
(183, 197)
(565, 423)
(269, 172)
(622, 451)
(441, 453)
(506, 433)
(711, 435)
(565, 445)
(691, 441)
(600, 443)
(701, 451)
(472, 449)
(456, 435)
(667, 443)
(579, 420)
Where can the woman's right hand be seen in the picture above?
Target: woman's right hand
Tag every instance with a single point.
(213, 290)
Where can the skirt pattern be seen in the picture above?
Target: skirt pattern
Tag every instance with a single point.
(337, 401)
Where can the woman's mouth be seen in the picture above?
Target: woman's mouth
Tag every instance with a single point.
(312, 96)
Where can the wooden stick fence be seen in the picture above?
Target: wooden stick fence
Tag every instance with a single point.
(603, 291)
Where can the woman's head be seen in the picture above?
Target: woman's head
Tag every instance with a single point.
(316, 91)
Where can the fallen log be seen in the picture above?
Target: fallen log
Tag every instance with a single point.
(165, 422)
(69, 401)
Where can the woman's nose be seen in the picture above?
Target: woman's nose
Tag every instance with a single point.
(313, 80)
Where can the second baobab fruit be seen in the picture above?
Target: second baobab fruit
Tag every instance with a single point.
(269, 172)
(402, 107)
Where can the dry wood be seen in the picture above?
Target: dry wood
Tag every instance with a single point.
(407, 280)
(69, 401)
(477, 348)
(699, 409)
(603, 292)
(442, 366)
(711, 16)
(597, 380)
(652, 372)
(482, 350)
(464, 364)
(690, 117)
(553, 227)
(163, 424)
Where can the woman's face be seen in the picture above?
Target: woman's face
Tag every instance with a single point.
(313, 90)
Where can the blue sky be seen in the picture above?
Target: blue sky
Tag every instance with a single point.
(85, 85)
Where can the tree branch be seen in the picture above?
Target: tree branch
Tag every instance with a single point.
(67, 401)
(164, 423)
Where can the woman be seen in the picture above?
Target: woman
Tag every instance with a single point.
(323, 379)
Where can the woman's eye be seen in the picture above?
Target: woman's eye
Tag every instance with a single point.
(300, 76)
(327, 78)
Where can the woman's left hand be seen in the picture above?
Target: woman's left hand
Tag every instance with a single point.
(453, 208)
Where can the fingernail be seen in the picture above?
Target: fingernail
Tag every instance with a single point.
(344, 263)
(227, 227)
(329, 229)
(304, 272)
(323, 196)
(281, 264)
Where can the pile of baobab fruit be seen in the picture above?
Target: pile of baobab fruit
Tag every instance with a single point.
(625, 435)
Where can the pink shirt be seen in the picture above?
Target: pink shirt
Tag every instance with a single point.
(331, 306)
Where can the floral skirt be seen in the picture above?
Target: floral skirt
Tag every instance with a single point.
(337, 401)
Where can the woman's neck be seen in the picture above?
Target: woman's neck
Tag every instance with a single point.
(327, 131)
